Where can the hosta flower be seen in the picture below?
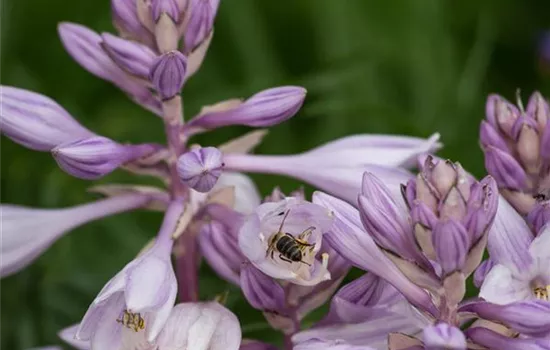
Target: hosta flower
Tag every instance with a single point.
(347, 158)
(303, 225)
(495, 341)
(526, 277)
(200, 168)
(28, 232)
(134, 305)
(516, 143)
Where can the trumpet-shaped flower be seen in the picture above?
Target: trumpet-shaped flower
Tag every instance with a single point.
(301, 222)
(28, 232)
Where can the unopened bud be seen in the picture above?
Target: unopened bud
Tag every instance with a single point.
(168, 74)
(505, 169)
(501, 114)
(538, 109)
(261, 291)
(170, 7)
(528, 143)
(200, 168)
(131, 56)
(451, 242)
(201, 21)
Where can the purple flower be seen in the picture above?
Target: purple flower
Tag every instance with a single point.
(539, 217)
(200, 22)
(85, 47)
(134, 305)
(168, 74)
(127, 22)
(27, 232)
(35, 121)
(305, 221)
(200, 168)
(526, 277)
(261, 291)
(169, 7)
(444, 337)
(95, 157)
(515, 143)
(347, 158)
(266, 108)
(495, 341)
(136, 59)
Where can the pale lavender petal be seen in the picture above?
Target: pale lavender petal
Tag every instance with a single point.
(261, 292)
(247, 197)
(196, 57)
(539, 250)
(539, 216)
(509, 238)
(200, 168)
(444, 336)
(27, 232)
(266, 108)
(503, 286)
(133, 57)
(200, 326)
(95, 157)
(490, 137)
(200, 22)
(496, 341)
(482, 271)
(530, 318)
(126, 20)
(505, 169)
(107, 333)
(168, 74)
(35, 121)
(538, 106)
(68, 335)
(349, 239)
(501, 114)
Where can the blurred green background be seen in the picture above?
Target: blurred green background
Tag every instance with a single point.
(402, 67)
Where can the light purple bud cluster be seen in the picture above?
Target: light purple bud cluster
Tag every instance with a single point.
(516, 143)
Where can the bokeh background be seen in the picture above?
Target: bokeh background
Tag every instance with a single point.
(399, 67)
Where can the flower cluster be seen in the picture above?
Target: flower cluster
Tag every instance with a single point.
(419, 237)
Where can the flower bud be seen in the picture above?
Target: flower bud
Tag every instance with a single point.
(200, 23)
(200, 168)
(95, 157)
(539, 109)
(127, 22)
(35, 121)
(528, 143)
(482, 271)
(493, 340)
(488, 136)
(505, 169)
(266, 108)
(501, 114)
(168, 74)
(170, 7)
(134, 58)
(539, 217)
(451, 242)
(444, 336)
(262, 292)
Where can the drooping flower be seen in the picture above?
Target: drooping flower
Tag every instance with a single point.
(35, 121)
(28, 232)
(517, 149)
(132, 308)
(304, 221)
(347, 159)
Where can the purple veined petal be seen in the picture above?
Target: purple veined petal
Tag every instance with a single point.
(247, 197)
(27, 232)
(196, 57)
(316, 344)
(206, 325)
(200, 168)
(538, 107)
(266, 108)
(127, 22)
(496, 341)
(452, 243)
(99, 325)
(349, 239)
(444, 336)
(221, 251)
(167, 74)
(35, 121)
(343, 181)
(68, 335)
(501, 114)
(531, 318)
(133, 57)
(261, 291)
(94, 157)
(539, 249)
(200, 22)
(505, 169)
(482, 271)
(303, 220)
(509, 238)
(170, 7)
(503, 285)
(482, 208)
(488, 136)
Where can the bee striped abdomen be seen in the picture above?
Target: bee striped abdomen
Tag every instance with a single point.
(289, 248)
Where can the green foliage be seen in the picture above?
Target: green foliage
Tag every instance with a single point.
(370, 66)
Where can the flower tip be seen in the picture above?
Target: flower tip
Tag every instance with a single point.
(200, 168)
(168, 74)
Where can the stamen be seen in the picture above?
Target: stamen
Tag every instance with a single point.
(542, 293)
(324, 260)
(132, 321)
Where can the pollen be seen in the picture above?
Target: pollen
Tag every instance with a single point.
(131, 320)
(542, 293)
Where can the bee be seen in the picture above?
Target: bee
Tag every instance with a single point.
(290, 249)
(132, 321)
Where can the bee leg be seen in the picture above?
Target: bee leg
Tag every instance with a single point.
(303, 262)
(284, 259)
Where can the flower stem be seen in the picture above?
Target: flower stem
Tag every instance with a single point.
(187, 260)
